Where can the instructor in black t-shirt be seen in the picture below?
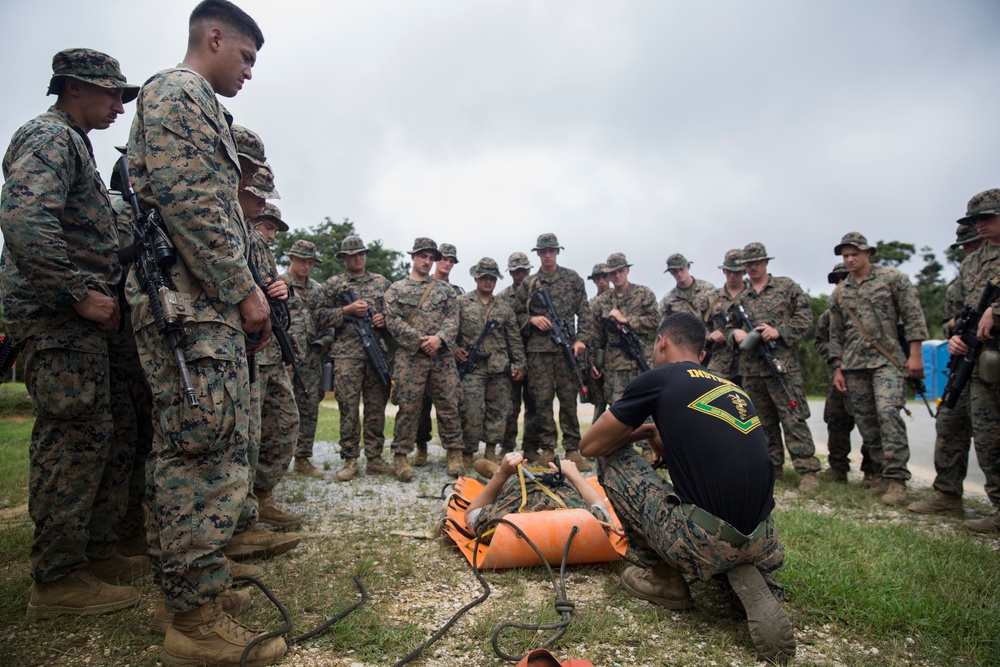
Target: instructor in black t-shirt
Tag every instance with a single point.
(716, 520)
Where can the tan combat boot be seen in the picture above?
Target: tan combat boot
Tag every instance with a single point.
(305, 467)
(243, 570)
(491, 454)
(377, 466)
(649, 455)
(582, 464)
(832, 475)
(404, 473)
(530, 455)
(231, 600)
(546, 457)
(349, 471)
(869, 480)
(277, 516)
(943, 504)
(208, 635)
(486, 468)
(990, 525)
(456, 464)
(808, 482)
(259, 542)
(663, 585)
(770, 629)
(895, 492)
(420, 458)
(119, 568)
(504, 451)
(467, 460)
(78, 594)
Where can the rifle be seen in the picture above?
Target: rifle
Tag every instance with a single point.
(8, 354)
(629, 343)
(563, 337)
(960, 367)
(764, 349)
(369, 341)
(153, 253)
(475, 355)
(919, 387)
(281, 319)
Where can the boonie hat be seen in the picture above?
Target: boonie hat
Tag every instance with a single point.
(304, 249)
(733, 260)
(351, 245)
(616, 260)
(855, 239)
(249, 145)
(839, 271)
(518, 260)
(965, 234)
(486, 267)
(676, 261)
(263, 183)
(271, 211)
(547, 241)
(424, 243)
(755, 252)
(984, 204)
(599, 270)
(448, 250)
(90, 66)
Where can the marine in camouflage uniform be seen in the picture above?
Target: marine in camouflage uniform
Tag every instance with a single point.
(983, 265)
(486, 390)
(690, 295)
(304, 303)
(724, 358)
(549, 374)
(57, 278)
(953, 427)
(716, 517)
(596, 358)
(781, 312)
(868, 305)
(633, 306)
(354, 376)
(519, 267)
(422, 317)
(442, 272)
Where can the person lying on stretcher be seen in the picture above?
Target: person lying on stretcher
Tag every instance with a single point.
(514, 489)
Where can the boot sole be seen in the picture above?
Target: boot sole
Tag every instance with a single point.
(770, 629)
(42, 612)
(168, 659)
(245, 552)
(281, 525)
(666, 603)
(954, 513)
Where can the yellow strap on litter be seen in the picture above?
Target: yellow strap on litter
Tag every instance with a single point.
(524, 492)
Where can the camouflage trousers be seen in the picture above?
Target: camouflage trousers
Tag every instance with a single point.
(484, 410)
(424, 425)
(78, 470)
(953, 430)
(986, 432)
(777, 416)
(597, 396)
(839, 421)
(356, 379)
(657, 529)
(877, 395)
(249, 510)
(416, 374)
(312, 376)
(200, 472)
(279, 426)
(548, 377)
(519, 395)
(131, 409)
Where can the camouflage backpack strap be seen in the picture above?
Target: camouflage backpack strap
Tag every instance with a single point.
(423, 298)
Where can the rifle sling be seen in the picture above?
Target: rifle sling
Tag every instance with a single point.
(874, 341)
(423, 298)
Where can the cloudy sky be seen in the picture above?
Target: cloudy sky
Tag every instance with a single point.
(639, 127)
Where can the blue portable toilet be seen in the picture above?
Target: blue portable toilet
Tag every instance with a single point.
(936, 357)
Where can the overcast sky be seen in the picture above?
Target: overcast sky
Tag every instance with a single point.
(639, 127)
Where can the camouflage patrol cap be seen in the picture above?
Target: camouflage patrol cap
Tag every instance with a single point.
(548, 240)
(965, 234)
(839, 271)
(676, 261)
(249, 145)
(263, 184)
(90, 66)
(733, 260)
(599, 270)
(986, 203)
(485, 267)
(351, 245)
(448, 250)
(273, 213)
(855, 239)
(518, 260)
(424, 243)
(755, 252)
(304, 249)
(616, 260)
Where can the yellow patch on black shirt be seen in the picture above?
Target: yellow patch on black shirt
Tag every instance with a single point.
(729, 404)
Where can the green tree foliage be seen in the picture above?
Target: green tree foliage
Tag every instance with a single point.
(815, 371)
(931, 289)
(893, 253)
(327, 236)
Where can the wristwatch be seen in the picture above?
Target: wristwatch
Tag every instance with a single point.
(835, 365)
